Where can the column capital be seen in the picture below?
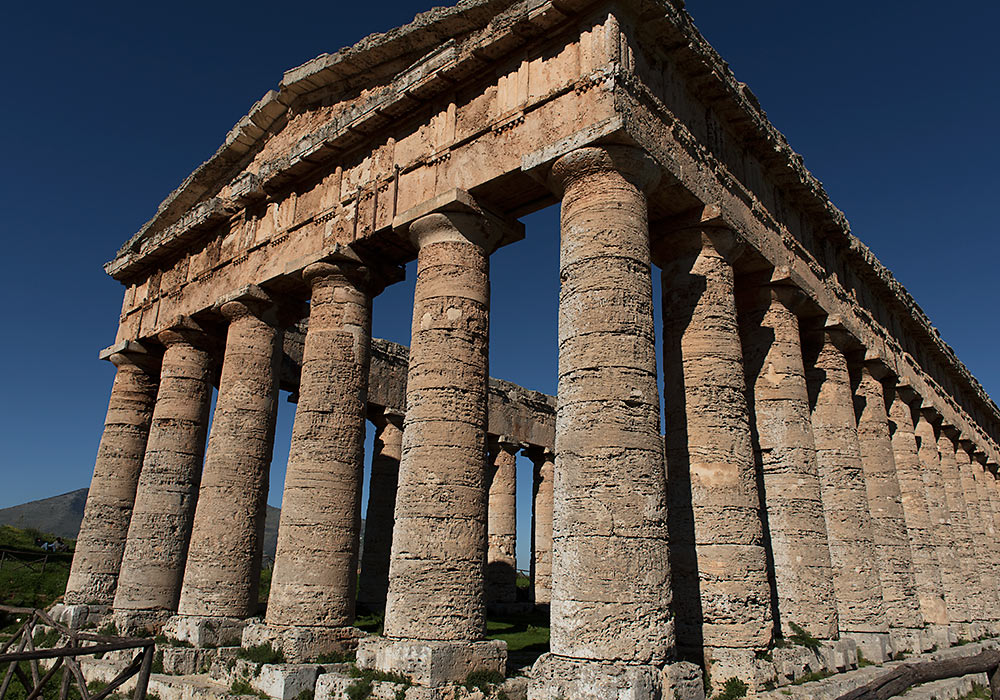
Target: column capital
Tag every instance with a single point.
(250, 300)
(631, 162)
(539, 454)
(184, 330)
(967, 444)
(928, 412)
(951, 432)
(456, 215)
(131, 353)
(905, 391)
(380, 416)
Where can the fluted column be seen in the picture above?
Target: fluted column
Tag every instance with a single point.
(845, 500)
(885, 503)
(958, 516)
(926, 568)
(980, 532)
(501, 558)
(937, 508)
(436, 596)
(97, 560)
(541, 523)
(316, 563)
(786, 453)
(153, 566)
(991, 488)
(373, 584)
(719, 565)
(223, 565)
(610, 569)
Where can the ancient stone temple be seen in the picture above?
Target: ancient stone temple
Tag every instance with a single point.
(828, 469)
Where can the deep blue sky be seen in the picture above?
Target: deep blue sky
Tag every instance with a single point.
(106, 107)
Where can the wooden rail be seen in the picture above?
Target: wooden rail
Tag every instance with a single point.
(66, 658)
(902, 678)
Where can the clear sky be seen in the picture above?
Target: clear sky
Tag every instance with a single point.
(106, 107)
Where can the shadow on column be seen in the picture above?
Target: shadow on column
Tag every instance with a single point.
(688, 613)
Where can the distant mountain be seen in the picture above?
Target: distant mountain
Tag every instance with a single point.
(61, 516)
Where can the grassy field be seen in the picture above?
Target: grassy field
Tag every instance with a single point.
(29, 576)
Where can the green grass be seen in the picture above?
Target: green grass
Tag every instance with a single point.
(527, 636)
(810, 677)
(264, 587)
(803, 638)
(370, 622)
(262, 654)
(241, 686)
(732, 689)
(979, 692)
(361, 688)
(23, 583)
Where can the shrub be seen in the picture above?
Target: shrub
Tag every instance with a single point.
(732, 689)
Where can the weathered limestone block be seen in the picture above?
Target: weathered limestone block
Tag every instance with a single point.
(97, 560)
(786, 453)
(316, 564)
(958, 515)
(373, 584)
(541, 524)
(223, 565)
(285, 681)
(436, 572)
(926, 569)
(885, 503)
(501, 561)
(952, 584)
(722, 596)
(610, 605)
(153, 565)
(845, 499)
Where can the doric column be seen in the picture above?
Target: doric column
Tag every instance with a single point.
(885, 503)
(958, 516)
(926, 569)
(845, 499)
(786, 453)
(373, 584)
(541, 523)
(223, 565)
(610, 604)
(158, 537)
(501, 558)
(952, 585)
(718, 561)
(316, 562)
(97, 560)
(991, 506)
(980, 530)
(436, 599)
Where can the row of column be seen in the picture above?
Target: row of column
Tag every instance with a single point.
(788, 492)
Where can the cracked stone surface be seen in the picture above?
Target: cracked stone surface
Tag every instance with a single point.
(958, 516)
(981, 536)
(153, 564)
(786, 452)
(719, 565)
(885, 504)
(845, 499)
(316, 563)
(223, 564)
(97, 559)
(541, 524)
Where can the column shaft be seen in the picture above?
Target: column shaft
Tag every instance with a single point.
(719, 564)
(952, 585)
(97, 560)
(845, 499)
(541, 526)
(386, 449)
(885, 502)
(961, 539)
(982, 543)
(153, 566)
(786, 452)
(926, 569)
(436, 573)
(610, 568)
(316, 563)
(501, 557)
(223, 565)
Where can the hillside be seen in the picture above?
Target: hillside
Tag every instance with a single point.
(61, 516)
